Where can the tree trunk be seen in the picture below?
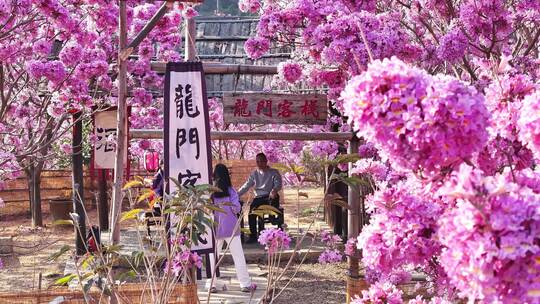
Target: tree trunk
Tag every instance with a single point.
(33, 174)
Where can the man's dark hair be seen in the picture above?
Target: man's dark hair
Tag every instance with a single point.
(261, 156)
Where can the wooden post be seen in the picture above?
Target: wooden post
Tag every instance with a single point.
(189, 46)
(354, 212)
(78, 186)
(121, 127)
(103, 204)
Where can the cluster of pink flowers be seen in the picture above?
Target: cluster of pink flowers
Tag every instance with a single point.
(368, 150)
(249, 6)
(331, 254)
(256, 47)
(434, 300)
(401, 230)
(529, 122)
(501, 153)
(274, 240)
(290, 71)
(504, 99)
(453, 45)
(423, 122)
(183, 261)
(491, 237)
(376, 169)
(380, 293)
(329, 239)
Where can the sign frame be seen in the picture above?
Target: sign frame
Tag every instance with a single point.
(96, 111)
(285, 108)
(186, 67)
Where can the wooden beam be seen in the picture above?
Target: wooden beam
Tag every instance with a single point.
(220, 19)
(251, 135)
(223, 68)
(189, 40)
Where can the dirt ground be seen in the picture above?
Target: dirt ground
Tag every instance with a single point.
(32, 247)
(315, 284)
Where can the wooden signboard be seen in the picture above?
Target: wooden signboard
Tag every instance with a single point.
(188, 157)
(266, 108)
(105, 123)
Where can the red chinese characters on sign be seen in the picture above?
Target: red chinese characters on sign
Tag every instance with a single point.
(249, 108)
(264, 107)
(284, 109)
(241, 108)
(310, 108)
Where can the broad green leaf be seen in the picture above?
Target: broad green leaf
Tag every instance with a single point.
(62, 222)
(282, 168)
(137, 257)
(194, 239)
(132, 183)
(199, 226)
(336, 199)
(207, 221)
(126, 275)
(343, 159)
(131, 214)
(59, 253)
(146, 194)
(245, 231)
(339, 202)
(86, 262)
(113, 248)
(65, 280)
(88, 285)
(267, 208)
(176, 182)
(297, 169)
(333, 196)
(258, 213)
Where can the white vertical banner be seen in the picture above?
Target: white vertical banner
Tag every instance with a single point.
(105, 134)
(187, 132)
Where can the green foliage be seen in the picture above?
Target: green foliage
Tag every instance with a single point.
(63, 281)
(59, 253)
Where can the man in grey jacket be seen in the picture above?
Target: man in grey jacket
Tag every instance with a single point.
(266, 183)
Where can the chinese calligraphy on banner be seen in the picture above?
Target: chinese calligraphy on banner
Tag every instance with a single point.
(187, 131)
(261, 108)
(105, 123)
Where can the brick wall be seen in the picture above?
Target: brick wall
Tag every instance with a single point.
(240, 170)
(58, 183)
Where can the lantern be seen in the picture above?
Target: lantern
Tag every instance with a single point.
(151, 161)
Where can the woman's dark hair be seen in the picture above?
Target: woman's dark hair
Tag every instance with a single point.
(222, 180)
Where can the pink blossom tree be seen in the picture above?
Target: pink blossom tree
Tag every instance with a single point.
(436, 86)
(58, 57)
